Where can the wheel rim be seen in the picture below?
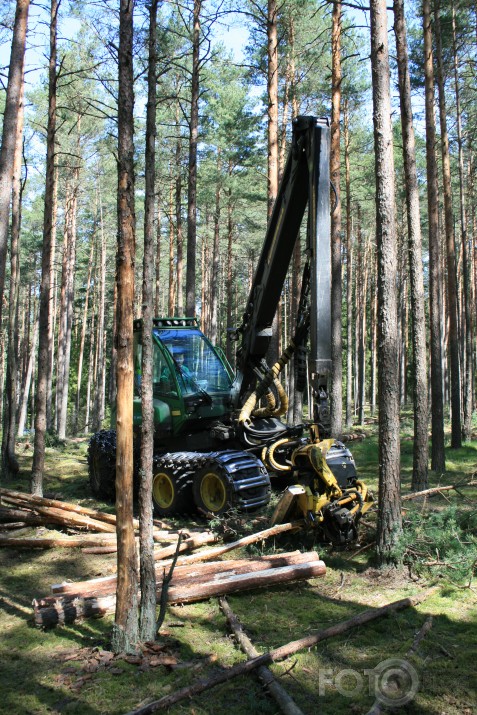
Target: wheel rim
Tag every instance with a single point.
(163, 490)
(212, 492)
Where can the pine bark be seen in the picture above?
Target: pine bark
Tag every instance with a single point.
(272, 143)
(147, 622)
(192, 183)
(230, 272)
(214, 283)
(437, 411)
(52, 316)
(466, 312)
(158, 288)
(99, 394)
(452, 291)
(179, 235)
(389, 513)
(84, 324)
(421, 416)
(9, 466)
(361, 295)
(9, 131)
(349, 278)
(336, 391)
(44, 309)
(25, 392)
(65, 348)
(172, 282)
(125, 630)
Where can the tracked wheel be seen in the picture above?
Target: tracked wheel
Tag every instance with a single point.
(102, 464)
(172, 484)
(213, 492)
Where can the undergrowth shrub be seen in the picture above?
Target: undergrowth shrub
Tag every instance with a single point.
(444, 541)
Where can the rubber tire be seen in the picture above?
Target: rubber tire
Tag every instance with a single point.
(221, 496)
(102, 464)
(180, 498)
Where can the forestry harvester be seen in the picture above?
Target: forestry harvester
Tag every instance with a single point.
(219, 436)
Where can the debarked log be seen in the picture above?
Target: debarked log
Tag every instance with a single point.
(67, 608)
(107, 584)
(32, 501)
(50, 542)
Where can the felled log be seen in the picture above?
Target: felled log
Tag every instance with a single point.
(244, 541)
(185, 588)
(280, 653)
(245, 582)
(42, 542)
(195, 572)
(32, 501)
(55, 512)
(437, 490)
(285, 702)
(9, 515)
(193, 542)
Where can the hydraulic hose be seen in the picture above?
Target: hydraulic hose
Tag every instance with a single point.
(263, 387)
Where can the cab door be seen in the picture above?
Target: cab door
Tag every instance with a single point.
(167, 401)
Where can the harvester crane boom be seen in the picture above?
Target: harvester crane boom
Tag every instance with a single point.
(305, 183)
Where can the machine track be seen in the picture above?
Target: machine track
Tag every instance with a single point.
(212, 482)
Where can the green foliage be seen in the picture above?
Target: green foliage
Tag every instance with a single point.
(445, 540)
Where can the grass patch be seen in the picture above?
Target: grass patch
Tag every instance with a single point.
(51, 672)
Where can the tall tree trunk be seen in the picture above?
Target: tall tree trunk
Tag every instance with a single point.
(99, 396)
(456, 422)
(9, 132)
(172, 283)
(336, 391)
(389, 513)
(23, 402)
(229, 351)
(214, 283)
(158, 288)
(437, 412)
(63, 311)
(467, 322)
(373, 341)
(125, 630)
(362, 269)
(421, 416)
(192, 185)
(272, 133)
(90, 368)
(179, 236)
(10, 465)
(69, 308)
(52, 315)
(349, 277)
(44, 314)
(84, 325)
(147, 624)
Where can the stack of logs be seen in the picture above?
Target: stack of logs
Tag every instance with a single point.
(70, 602)
(20, 510)
(196, 576)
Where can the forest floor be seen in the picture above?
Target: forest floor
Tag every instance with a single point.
(69, 669)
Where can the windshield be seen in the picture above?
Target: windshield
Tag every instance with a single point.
(198, 366)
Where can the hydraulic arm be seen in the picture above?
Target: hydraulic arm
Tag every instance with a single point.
(305, 185)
